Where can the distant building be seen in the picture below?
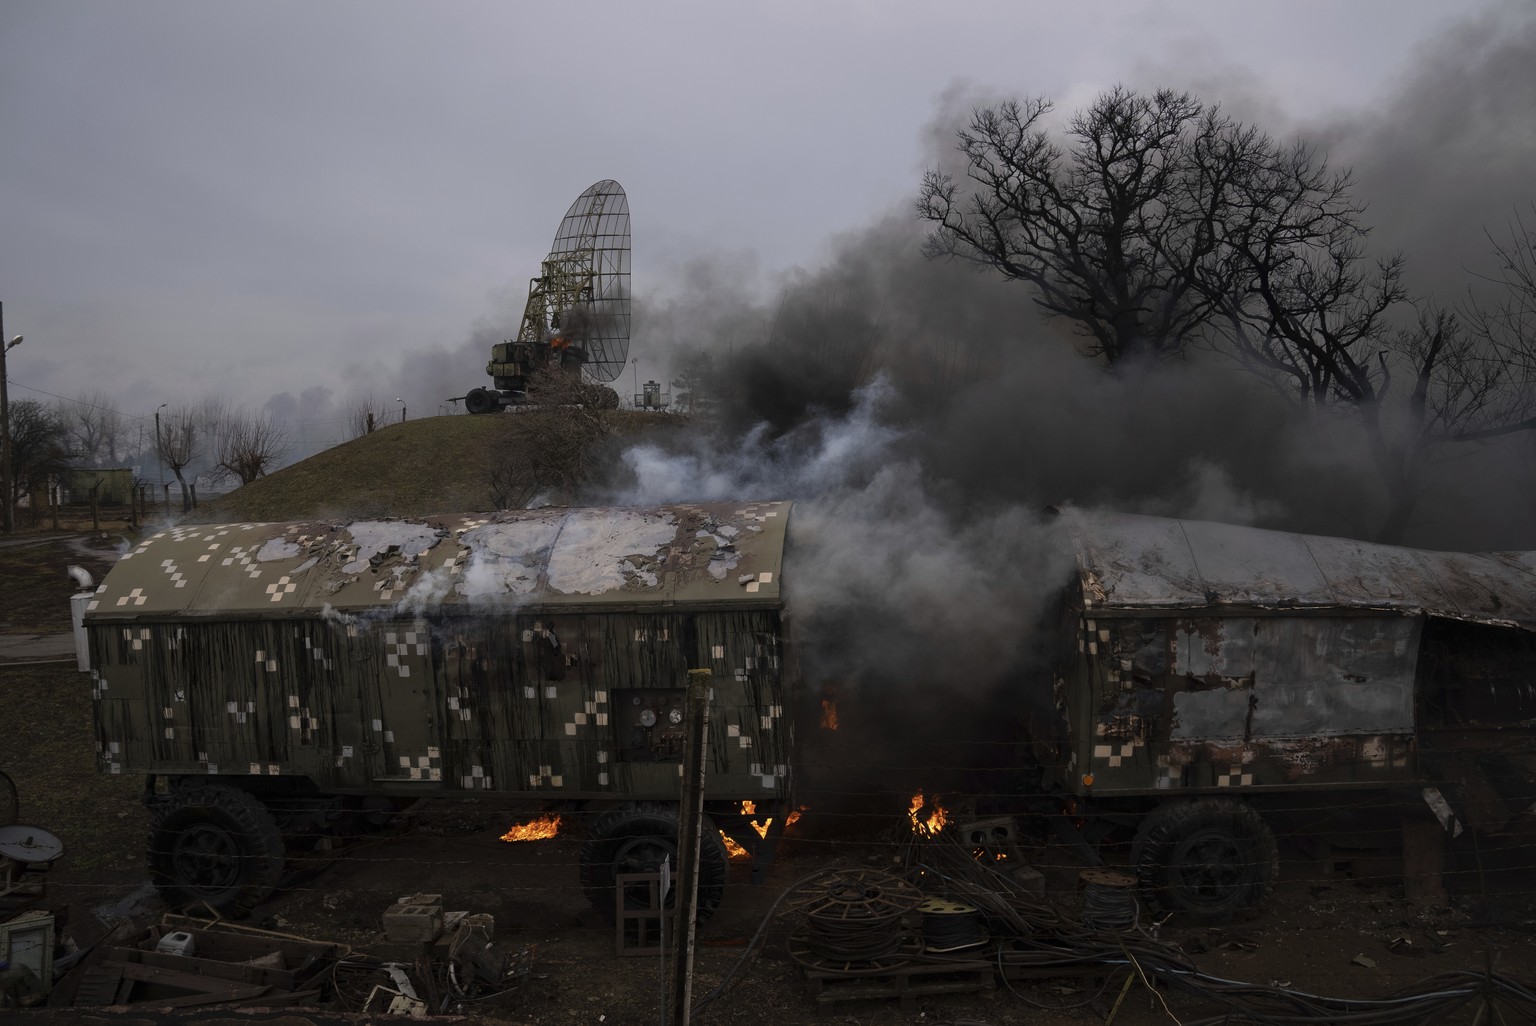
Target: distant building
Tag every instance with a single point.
(113, 486)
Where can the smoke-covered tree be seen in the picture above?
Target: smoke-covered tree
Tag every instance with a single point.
(1505, 320)
(696, 387)
(1164, 224)
(40, 448)
(1339, 330)
(95, 428)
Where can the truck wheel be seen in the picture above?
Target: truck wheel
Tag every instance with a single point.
(216, 846)
(635, 839)
(478, 400)
(1209, 857)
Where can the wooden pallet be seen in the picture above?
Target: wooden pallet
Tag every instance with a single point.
(905, 976)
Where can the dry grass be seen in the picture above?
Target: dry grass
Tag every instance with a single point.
(432, 465)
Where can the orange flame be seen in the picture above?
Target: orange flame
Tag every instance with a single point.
(534, 830)
(734, 850)
(931, 824)
(749, 808)
(828, 714)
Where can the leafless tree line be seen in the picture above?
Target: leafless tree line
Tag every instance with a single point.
(209, 439)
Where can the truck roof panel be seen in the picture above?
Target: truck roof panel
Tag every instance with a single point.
(718, 555)
(1127, 562)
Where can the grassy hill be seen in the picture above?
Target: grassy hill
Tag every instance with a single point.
(430, 465)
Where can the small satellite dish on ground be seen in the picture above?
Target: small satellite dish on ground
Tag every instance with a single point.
(576, 320)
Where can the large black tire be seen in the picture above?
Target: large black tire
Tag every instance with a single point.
(214, 846)
(635, 839)
(478, 400)
(1208, 857)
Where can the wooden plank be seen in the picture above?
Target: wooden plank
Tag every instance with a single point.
(98, 985)
(204, 989)
(905, 975)
(237, 972)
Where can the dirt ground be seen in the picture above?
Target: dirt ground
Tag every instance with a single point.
(1338, 929)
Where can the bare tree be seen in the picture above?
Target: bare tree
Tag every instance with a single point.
(1324, 320)
(248, 446)
(1506, 323)
(40, 449)
(365, 415)
(95, 428)
(179, 445)
(1166, 224)
(1121, 231)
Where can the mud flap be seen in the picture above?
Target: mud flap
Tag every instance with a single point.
(1443, 811)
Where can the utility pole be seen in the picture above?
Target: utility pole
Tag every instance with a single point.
(160, 458)
(5, 428)
(690, 816)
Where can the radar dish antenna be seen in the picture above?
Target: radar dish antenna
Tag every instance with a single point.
(582, 294)
(577, 315)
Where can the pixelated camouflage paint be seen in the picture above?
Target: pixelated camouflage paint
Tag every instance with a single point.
(1210, 657)
(404, 657)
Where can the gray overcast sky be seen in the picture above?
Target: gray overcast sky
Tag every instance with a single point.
(243, 199)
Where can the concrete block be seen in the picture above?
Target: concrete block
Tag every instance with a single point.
(413, 923)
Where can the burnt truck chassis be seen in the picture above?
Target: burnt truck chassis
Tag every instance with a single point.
(1213, 681)
(276, 683)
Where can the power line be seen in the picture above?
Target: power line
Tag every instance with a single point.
(149, 416)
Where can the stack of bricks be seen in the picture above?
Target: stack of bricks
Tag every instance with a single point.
(416, 918)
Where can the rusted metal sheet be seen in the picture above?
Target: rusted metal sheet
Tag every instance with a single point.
(1293, 678)
(1129, 562)
(1245, 701)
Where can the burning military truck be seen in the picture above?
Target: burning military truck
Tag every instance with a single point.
(273, 681)
(1209, 678)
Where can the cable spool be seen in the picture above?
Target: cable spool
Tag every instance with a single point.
(1109, 899)
(855, 915)
(951, 926)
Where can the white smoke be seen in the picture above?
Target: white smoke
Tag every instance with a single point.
(885, 579)
(822, 456)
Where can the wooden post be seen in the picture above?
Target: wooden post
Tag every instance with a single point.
(1424, 862)
(690, 816)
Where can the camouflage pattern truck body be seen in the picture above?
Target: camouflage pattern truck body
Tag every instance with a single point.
(1205, 671)
(291, 667)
